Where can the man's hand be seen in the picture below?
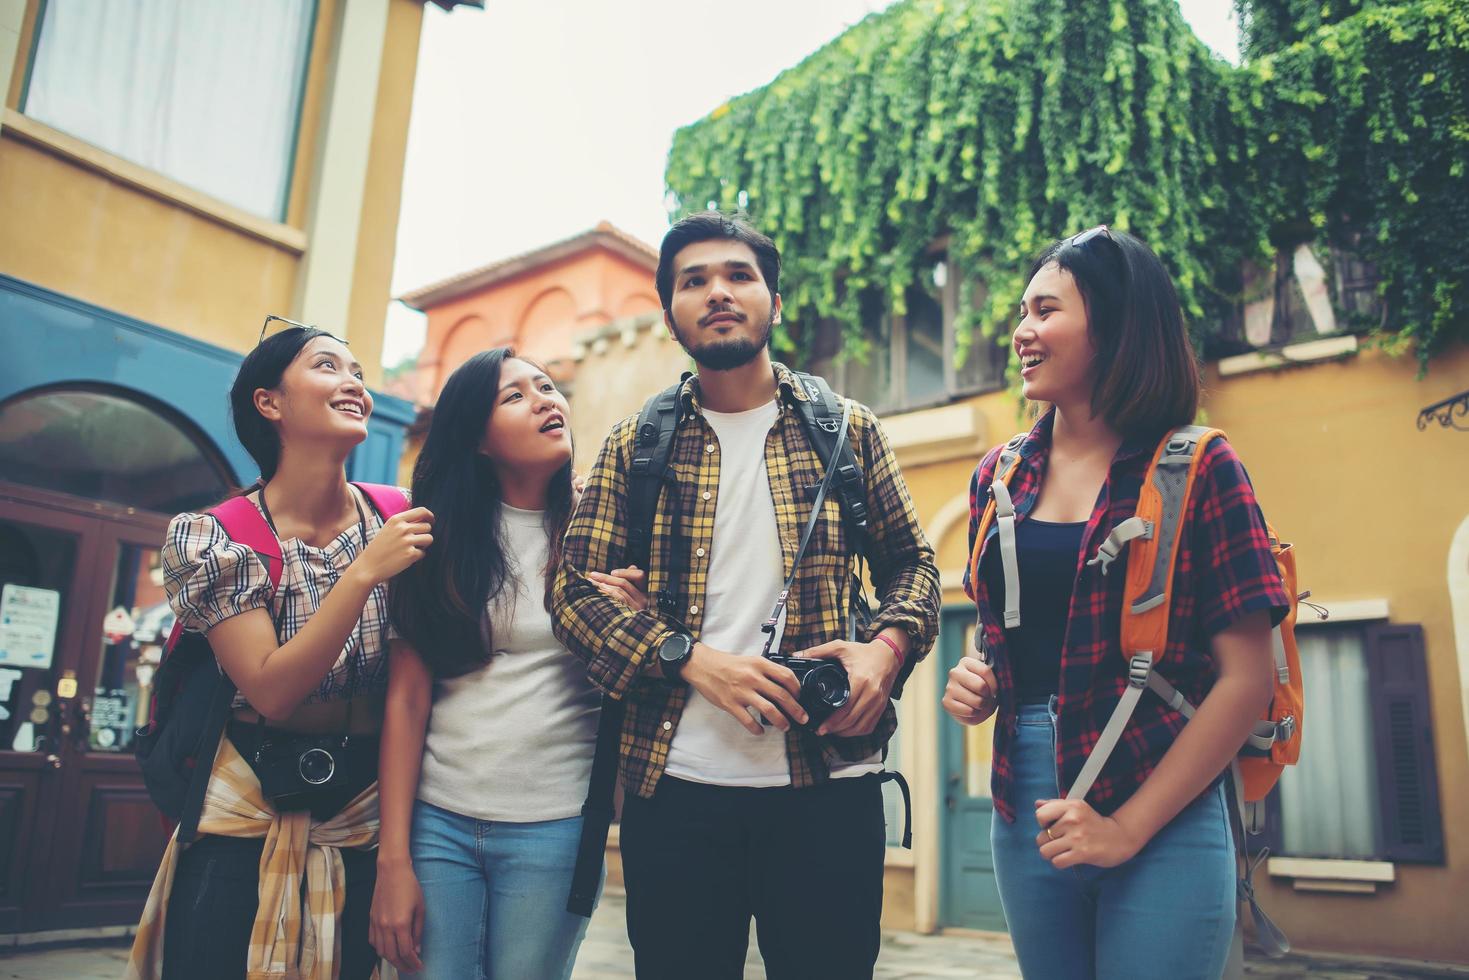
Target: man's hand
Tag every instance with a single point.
(871, 670)
(740, 685)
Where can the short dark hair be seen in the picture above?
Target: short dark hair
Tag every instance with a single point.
(264, 367)
(706, 226)
(1147, 374)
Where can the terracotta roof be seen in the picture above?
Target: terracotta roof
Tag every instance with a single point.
(605, 235)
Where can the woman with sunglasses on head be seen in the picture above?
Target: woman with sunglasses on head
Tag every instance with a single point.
(491, 723)
(1137, 877)
(280, 880)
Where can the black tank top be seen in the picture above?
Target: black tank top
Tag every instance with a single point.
(1048, 556)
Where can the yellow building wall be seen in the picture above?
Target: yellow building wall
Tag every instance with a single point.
(1372, 505)
(85, 223)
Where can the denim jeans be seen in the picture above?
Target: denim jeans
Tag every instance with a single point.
(1168, 912)
(495, 896)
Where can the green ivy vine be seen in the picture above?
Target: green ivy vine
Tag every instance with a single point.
(1000, 124)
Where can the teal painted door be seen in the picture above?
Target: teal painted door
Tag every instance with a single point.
(969, 898)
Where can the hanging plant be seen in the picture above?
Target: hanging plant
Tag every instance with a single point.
(1004, 124)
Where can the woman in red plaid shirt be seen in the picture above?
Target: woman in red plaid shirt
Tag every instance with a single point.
(1138, 878)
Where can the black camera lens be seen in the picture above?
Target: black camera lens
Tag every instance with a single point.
(829, 686)
(316, 766)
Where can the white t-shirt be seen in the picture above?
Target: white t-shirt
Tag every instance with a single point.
(513, 740)
(746, 573)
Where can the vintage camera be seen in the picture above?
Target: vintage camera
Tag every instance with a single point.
(295, 771)
(824, 686)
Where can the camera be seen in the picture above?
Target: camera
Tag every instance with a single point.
(295, 771)
(824, 686)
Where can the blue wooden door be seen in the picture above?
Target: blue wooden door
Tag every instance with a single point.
(969, 898)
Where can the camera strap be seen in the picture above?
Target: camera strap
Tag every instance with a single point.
(768, 627)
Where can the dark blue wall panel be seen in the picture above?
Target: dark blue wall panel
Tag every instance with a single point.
(47, 338)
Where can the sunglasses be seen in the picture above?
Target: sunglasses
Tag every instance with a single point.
(265, 328)
(1089, 234)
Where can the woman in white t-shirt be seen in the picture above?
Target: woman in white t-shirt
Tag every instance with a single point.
(490, 723)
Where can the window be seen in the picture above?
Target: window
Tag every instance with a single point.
(1365, 787)
(907, 361)
(207, 94)
(102, 446)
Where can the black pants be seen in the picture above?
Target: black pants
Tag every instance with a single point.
(211, 910)
(699, 860)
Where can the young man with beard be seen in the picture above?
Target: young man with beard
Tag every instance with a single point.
(725, 817)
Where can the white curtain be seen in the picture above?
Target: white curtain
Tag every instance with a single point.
(1328, 802)
(203, 91)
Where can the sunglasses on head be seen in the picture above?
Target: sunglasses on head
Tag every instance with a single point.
(1089, 234)
(264, 327)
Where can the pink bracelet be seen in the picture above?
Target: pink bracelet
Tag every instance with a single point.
(892, 646)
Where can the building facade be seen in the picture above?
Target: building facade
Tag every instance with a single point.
(170, 173)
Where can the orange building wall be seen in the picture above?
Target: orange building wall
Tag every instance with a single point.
(538, 312)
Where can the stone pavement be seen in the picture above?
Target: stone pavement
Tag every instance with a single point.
(905, 956)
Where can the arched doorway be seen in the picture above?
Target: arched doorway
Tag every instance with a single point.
(89, 476)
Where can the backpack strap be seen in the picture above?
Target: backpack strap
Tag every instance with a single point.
(389, 501)
(1001, 510)
(1147, 597)
(821, 416)
(652, 448)
(244, 524)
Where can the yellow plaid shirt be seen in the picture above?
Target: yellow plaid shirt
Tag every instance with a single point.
(619, 646)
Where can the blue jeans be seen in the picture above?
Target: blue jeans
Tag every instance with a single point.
(494, 896)
(1167, 913)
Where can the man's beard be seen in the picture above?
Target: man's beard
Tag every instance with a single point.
(726, 355)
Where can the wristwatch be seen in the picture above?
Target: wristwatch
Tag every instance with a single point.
(674, 652)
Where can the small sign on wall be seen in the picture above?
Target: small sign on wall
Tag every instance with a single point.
(28, 620)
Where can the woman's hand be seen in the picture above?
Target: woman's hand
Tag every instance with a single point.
(1073, 833)
(396, 929)
(970, 696)
(401, 542)
(626, 585)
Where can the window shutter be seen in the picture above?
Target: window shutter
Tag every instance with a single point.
(1397, 670)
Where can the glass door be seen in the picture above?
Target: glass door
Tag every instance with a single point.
(48, 560)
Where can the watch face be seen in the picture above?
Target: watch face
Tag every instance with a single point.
(675, 648)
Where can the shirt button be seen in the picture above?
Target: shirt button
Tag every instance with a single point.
(668, 726)
(700, 552)
(709, 448)
(707, 494)
(693, 610)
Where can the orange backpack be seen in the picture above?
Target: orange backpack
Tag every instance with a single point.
(1153, 533)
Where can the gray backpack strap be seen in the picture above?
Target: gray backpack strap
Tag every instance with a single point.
(1005, 526)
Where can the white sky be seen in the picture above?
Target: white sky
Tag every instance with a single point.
(535, 119)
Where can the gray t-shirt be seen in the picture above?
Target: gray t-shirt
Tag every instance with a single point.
(513, 740)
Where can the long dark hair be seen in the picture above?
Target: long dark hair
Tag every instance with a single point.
(1147, 374)
(439, 604)
(264, 367)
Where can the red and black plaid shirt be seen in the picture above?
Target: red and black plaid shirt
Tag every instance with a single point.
(1224, 571)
